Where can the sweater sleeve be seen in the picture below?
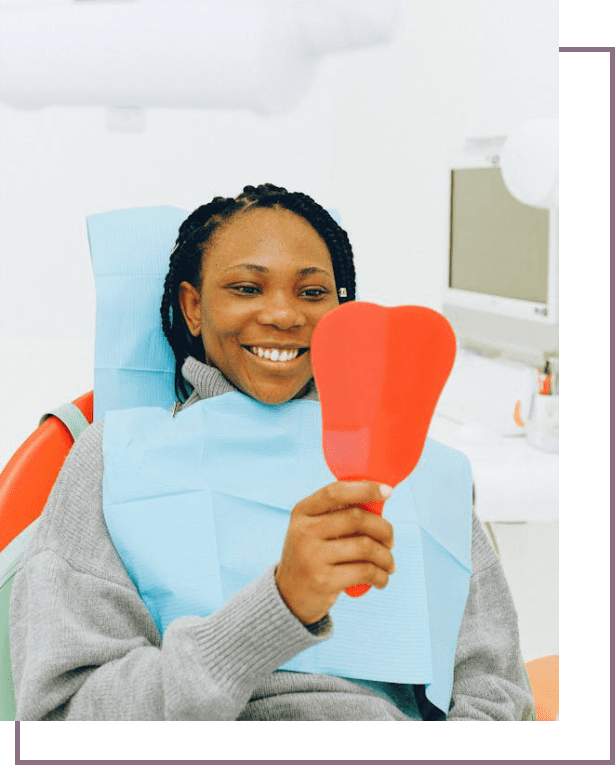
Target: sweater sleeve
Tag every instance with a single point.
(84, 646)
(489, 680)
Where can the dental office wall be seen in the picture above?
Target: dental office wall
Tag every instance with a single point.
(371, 139)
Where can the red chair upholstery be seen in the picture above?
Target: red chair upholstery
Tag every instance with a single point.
(25, 484)
(27, 479)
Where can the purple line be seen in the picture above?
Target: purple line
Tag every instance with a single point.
(586, 50)
(612, 189)
(612, 270)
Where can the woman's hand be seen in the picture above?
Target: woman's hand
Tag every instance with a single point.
(332, 544)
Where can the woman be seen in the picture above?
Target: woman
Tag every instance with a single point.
(248, 280)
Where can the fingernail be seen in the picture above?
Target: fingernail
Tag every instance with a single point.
(385, 490)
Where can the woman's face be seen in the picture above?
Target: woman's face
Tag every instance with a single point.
(266, 280)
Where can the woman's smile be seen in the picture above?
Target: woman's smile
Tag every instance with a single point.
(266, 281)
(274, 353)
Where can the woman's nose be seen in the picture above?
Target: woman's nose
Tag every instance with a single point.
(282, 312)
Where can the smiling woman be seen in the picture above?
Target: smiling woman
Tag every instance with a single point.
(190, 565)
(266, 279)
(248, 280)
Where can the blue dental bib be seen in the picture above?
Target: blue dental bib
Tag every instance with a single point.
(198, 505)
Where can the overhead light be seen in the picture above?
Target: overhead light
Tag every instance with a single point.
(254, 54)
(530, 163)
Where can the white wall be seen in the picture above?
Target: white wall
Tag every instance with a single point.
(370, 139)
(457, 69)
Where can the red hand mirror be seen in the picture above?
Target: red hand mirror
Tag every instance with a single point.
(379, 373)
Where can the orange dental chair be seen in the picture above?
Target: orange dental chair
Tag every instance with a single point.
(25, 484)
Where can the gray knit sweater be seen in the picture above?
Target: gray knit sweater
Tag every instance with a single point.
(84, 646)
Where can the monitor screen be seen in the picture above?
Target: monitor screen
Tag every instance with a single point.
(498, 246)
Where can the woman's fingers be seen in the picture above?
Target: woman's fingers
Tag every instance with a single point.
(332, 544)
(359, 550)
(340, 494)
(356, 521)
(350, 574)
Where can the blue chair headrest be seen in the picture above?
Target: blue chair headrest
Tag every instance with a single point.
(133, 364)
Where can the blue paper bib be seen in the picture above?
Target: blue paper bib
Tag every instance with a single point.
(198, 506)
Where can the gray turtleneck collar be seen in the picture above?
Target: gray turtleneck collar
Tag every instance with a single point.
(208, 381)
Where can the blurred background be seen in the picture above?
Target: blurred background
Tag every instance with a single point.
(372, 135)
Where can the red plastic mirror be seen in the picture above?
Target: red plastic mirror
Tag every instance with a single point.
(379, 373)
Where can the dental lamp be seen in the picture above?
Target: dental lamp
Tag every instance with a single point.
(530, 163)
(255, 54)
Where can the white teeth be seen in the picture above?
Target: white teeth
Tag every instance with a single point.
(275, 354)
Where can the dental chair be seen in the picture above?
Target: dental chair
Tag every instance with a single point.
(25, 484)
(134, 366)
(543, 674)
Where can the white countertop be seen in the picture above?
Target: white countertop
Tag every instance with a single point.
(514, 482)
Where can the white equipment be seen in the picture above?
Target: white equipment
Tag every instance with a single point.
(503, 255)
(254, 54)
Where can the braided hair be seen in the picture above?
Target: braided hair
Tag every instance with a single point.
(196, 231)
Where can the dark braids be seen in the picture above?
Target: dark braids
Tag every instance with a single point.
(194, 234)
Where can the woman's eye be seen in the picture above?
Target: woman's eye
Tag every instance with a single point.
(313, 292)
(245, 289)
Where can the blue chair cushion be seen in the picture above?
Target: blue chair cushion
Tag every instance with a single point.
(133, 363)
